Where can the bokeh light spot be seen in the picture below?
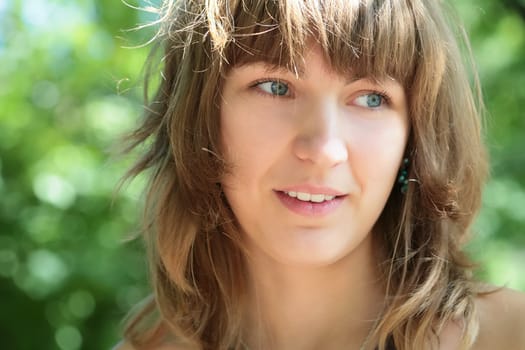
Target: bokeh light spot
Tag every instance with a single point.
(81, 304)
(54, 190)
(47, 272)
(68, 338)
(109, 117)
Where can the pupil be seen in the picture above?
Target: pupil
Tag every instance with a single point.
(374, 100)
(279, 88)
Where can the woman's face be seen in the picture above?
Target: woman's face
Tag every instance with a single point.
(314, 157)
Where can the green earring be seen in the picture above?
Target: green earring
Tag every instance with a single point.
(402, 177)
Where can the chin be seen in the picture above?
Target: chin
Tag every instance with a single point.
(317, 252)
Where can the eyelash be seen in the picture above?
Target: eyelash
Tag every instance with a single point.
(268, 80)
(386, 100)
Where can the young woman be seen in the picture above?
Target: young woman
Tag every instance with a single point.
(315, 167)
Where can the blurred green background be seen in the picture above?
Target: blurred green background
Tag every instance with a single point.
(69, 88)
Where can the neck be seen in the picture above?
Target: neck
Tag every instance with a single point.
(332, 306)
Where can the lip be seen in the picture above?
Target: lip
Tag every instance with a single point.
(313, 190)
(310, 209)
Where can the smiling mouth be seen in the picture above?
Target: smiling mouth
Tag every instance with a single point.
(310, 204)
(309, 197)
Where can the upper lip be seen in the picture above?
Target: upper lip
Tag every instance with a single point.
(312, 189)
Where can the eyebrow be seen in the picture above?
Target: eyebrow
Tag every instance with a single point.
(271, 68)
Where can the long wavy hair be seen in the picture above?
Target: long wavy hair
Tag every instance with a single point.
(194, 245)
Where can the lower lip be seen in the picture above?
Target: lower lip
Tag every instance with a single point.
(310, 208)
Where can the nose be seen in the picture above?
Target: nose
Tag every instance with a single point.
(320, 140)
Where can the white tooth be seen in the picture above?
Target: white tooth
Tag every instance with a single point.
(303, 196)
(328, 198)
(292, 194)
(317, 198)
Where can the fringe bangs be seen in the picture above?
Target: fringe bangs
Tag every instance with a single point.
(360, 38)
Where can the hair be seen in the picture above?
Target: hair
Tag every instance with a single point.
(193, 241)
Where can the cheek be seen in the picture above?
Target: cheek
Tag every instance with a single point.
(249, 146)
(378, 153)
(253, 134)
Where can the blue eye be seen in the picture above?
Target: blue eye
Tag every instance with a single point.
(372, 100)
(274, 87)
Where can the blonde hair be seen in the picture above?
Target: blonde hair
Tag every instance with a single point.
(197, 265)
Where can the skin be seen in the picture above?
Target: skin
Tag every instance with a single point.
(320, 134)
(311, 274)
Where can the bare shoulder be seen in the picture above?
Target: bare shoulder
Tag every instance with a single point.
(501, 320)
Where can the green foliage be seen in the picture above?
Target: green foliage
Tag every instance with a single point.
(70, 89)
(497, 31)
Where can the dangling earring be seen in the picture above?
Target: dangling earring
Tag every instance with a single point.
(402, 176)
